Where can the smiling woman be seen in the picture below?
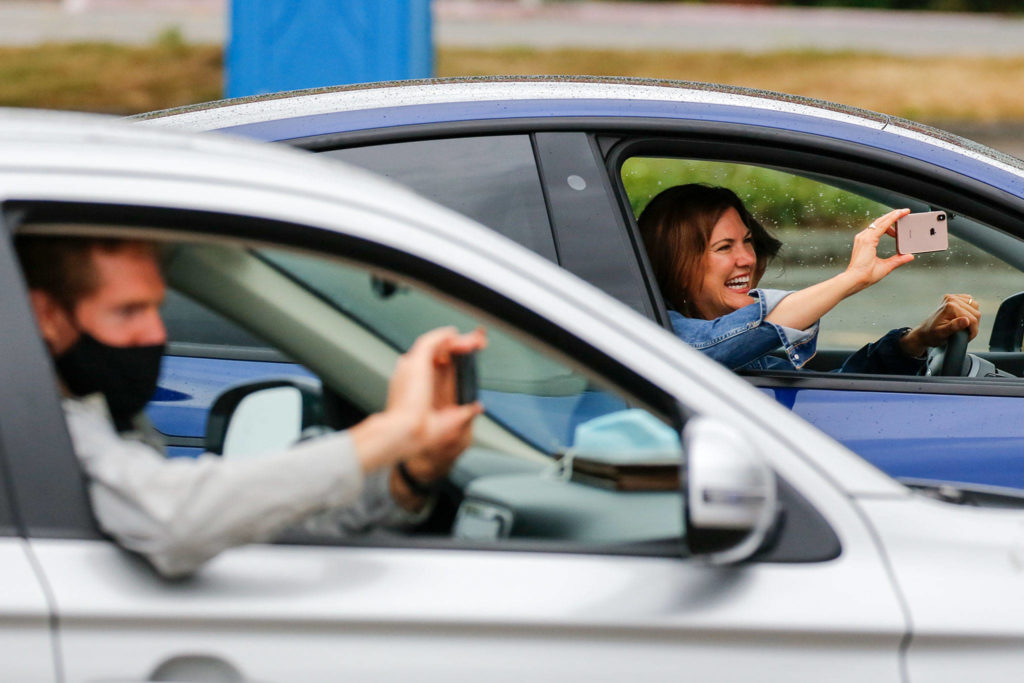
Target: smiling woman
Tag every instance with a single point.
(708, 254)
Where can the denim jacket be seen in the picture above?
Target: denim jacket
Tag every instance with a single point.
(743, 339)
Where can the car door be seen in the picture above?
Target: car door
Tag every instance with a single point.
(390, 607)
(28, 646)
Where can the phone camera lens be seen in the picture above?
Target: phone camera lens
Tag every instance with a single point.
(942, 217)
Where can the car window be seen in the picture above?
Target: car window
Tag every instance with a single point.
(816, 222)
(492, 179)
(206, 354)
(562, 457)
(188, 322)
(537, 397)
(540, 400)
(556, 469)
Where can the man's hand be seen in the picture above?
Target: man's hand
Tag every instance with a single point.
(422, 425)
(424, 386)
(956, 312)
(447, 427)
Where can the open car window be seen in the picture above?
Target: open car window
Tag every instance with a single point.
(816, 219)
(347, 324)
(533, 395)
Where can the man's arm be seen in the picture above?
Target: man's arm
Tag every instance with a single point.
(180, 513)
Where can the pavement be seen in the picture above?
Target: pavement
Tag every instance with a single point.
(724, 27)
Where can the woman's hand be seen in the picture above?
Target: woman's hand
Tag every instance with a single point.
(956, 312)
(866, 268)
(802, 309)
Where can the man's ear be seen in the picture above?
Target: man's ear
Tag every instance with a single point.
(54, 322)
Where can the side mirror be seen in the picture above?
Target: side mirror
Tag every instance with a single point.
(729, 492)
(263, 417)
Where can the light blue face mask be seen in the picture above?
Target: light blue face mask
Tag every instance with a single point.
(627, 436)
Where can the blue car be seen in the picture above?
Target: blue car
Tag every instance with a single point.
(563, 166)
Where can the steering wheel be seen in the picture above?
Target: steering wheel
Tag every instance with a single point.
(949, 359)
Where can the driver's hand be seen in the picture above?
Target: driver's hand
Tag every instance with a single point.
(956, 312)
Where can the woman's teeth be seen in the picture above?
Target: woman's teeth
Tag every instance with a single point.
(738, 282)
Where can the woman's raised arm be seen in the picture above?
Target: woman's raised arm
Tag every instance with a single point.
(803, 308)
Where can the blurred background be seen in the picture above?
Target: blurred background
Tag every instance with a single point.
(958, 64)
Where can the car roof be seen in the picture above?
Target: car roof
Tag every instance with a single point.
(238, 112)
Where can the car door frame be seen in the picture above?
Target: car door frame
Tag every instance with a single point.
(28, 404)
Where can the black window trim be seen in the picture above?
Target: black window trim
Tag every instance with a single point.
(580, 220)
(827, 156)
(666, 130)
(618, 132)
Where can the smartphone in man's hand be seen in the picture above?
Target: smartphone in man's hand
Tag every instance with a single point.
(919, 233)
(466, 390)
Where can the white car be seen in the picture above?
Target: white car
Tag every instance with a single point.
(779, 554)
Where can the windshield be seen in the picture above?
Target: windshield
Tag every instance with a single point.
(539, 399)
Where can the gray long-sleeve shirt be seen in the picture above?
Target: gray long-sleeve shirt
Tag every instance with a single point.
(180, 512)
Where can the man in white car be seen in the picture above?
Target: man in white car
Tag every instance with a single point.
(98, 301)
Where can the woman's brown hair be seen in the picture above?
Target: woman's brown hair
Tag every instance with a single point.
(676, 227)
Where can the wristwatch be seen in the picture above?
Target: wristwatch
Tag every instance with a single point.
(414, 484)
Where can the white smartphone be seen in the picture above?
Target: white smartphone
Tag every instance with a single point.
(919, 233)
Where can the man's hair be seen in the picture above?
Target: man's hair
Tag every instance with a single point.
(676, 226)
(63, 267)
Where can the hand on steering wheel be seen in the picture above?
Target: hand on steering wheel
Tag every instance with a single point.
(957, 314)
(949, 360)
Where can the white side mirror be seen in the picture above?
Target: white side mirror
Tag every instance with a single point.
(266, 421)
(730, 493)
(265, 416)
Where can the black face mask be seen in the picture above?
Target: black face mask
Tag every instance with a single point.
(125, 375)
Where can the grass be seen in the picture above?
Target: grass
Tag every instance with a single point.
(780, 200)
(116, 79)
(124, 79)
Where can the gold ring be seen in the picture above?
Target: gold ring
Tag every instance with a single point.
(971, 301)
